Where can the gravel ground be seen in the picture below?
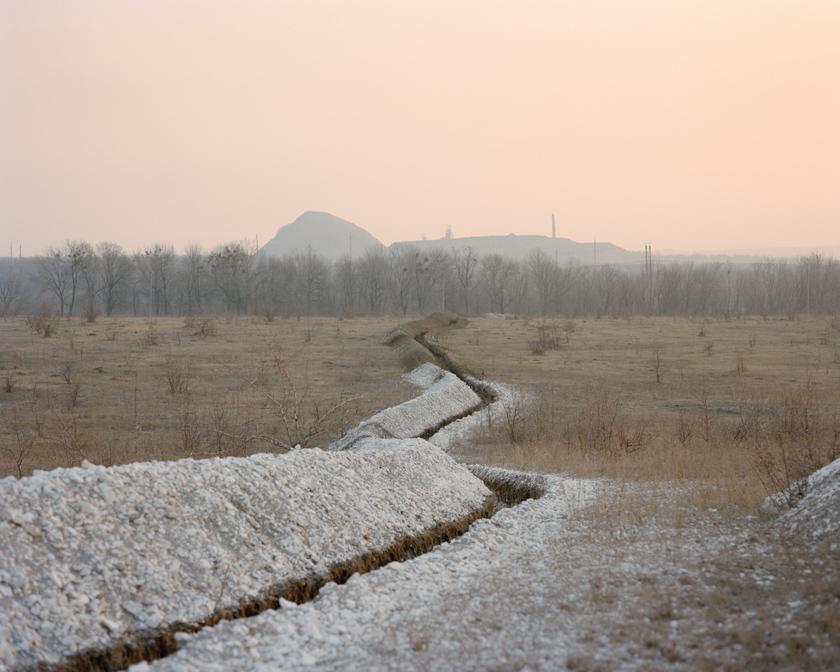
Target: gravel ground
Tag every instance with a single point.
(551, 584)
(90, 554)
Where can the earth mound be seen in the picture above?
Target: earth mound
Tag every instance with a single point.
(326, 234)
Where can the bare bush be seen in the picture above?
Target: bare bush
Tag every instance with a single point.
(74, 395)
(177, 376)
(229, 426)
(152, 337)
(599, 425)
(189, 426)
(603, 425)
(43, 322)
(788, 437)
(548, 336)
(67, 371)
(301, 418)
(685, 429)
(658, 363)
(516, 410)
(204, 325)
(19, 447)
(740, 364)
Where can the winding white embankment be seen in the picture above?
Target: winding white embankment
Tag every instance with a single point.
(410, 615)
(91, 556)
(445, 398)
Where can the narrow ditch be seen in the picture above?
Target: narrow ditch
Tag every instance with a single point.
(508, 488)
(149, 645)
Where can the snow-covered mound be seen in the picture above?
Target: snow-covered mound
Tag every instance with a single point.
(409, 615)
(94, 555)
(444, 399)
(817, 514)
(460, 430)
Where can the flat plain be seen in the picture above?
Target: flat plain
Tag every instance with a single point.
(686, 425)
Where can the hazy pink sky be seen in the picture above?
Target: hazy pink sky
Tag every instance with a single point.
(690, 124)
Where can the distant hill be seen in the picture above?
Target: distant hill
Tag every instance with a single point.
(519, 247)
(326, 234)
(333, 237)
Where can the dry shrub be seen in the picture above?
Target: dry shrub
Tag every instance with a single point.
(19, 447)
(152, 336)
(43, 322)
(177, 375)
(657, 361)
(548, 336)
(740, 364)
(229, 427)
(787, 437)
(204, 325)
(600, 424)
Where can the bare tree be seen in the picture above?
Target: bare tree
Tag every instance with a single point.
(373, 268)
(233, 269)
(12, 292)
(313, 280)
(90, 280)
(157, 270)
(669, 279)
(192, 273)
(59, 270)
(606, 281)
(115, 272)
(466, 265)
(347, 277)
(708, 284)
(497, 272)
(542, 272)
(401, 284)
(431, 280)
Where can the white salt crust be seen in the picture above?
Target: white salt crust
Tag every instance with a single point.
(89, 554)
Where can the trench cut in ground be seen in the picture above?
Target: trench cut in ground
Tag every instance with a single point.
(149, 645)
(415, 347)
(507, 488)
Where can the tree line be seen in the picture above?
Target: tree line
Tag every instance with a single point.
(77, 278)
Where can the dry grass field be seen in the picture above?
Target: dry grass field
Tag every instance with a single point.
(124, 390)
(691, 422)
(744, 407)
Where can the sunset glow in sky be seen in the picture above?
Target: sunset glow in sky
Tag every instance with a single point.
(689, 124)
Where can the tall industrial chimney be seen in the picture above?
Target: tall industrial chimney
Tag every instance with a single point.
(553, 230)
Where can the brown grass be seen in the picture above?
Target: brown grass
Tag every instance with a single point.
(712, 439)
(646, 400)
(124, 390)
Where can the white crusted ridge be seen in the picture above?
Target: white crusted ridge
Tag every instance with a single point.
(461, 429)
(91, 554)
(817, 514)
(406, 614)
(445, 398)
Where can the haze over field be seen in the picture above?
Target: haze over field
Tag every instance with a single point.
(702, 126)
